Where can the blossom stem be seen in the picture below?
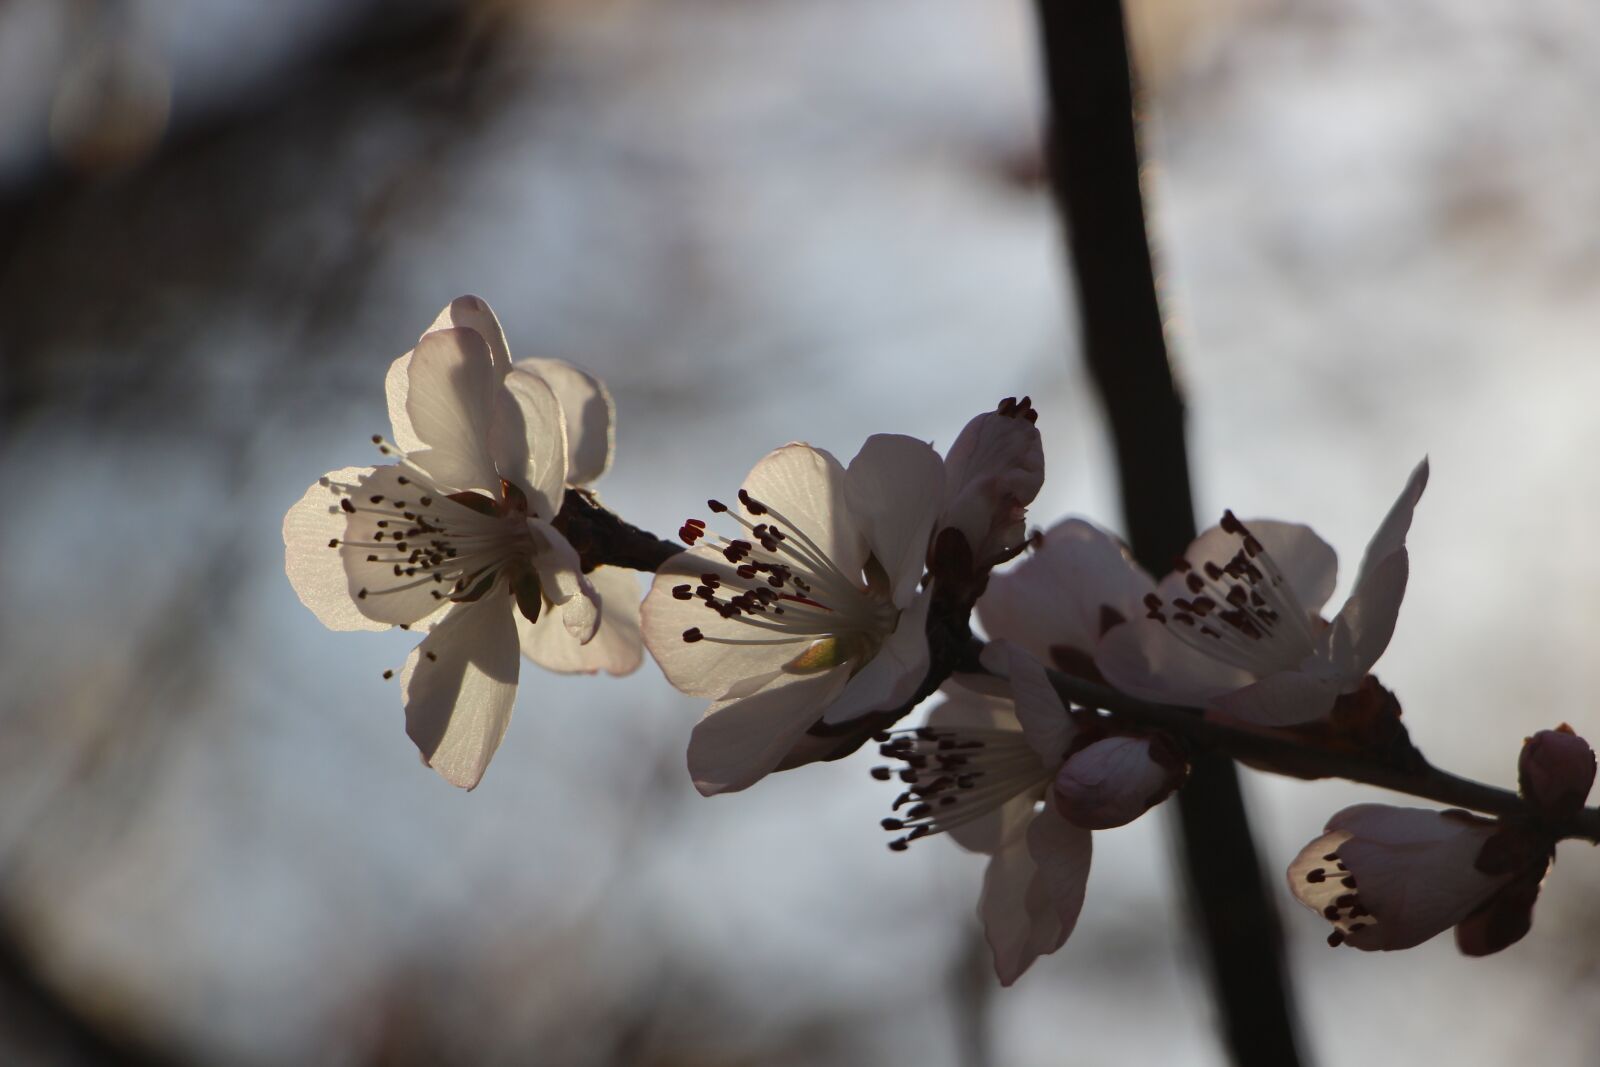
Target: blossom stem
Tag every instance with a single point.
(602, 537)
(1283, 753)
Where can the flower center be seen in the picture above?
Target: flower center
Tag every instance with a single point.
(781, 584)
(1242, 612)
(403, 532)
(954, 776)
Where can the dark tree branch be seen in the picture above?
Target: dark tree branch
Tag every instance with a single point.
(1094, 165)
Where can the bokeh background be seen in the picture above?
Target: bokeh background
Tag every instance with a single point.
(758, 221)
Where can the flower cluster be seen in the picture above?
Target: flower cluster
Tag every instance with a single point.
(824, 600)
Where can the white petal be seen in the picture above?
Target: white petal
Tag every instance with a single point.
(316, 570)
(1143, 659)
(474, 313)
(1309, 564)
(528, 441)
(1059, 595)
(740, 741)
(708, 668)
(1391, 533)
(459, 685)
(1043, 718)
(1062, 852)
(993, 471)
(616, 647)
(892, 676)
(1033, 892)
(590, 416)
(1366, 623)
(1287, 698)
(396, 386)
(894, 489)
(562, 579)
(807, 487)
(450, 399)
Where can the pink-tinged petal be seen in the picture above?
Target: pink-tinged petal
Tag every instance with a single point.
(1117, 779)
(894, 488)
(1556, 771)
(1399, 875)
(474, 313)
(993, 471)
(379, 591)
(590, 416)
(1043, 718)
(1391, 534)
(616, 647)
(1365, 624)
(563, 581)
(1143, 659)
(805, 489)
(1019, 918)
(740, 741)
(723, 658)
(459, 685)
(450, 399)
(1287, 698)
(891, 677)
(1061, 853)
(528, 441)
(396, 387)
(1066, 592)
(1308, 564)
(312, 558)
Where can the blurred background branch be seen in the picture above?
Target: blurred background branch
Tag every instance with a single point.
(1094, 167)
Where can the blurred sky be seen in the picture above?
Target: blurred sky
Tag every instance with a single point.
(798, 219)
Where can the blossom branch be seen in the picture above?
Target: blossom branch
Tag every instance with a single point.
(602, 537)
(1406, 772)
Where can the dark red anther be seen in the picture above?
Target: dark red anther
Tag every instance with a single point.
(344, 502)
(1230, 524)
(682, 592)
(717, 506)
(751, 504)
(693, 634)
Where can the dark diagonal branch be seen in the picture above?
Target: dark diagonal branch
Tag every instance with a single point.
(1094, 165)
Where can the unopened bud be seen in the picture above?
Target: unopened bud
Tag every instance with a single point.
(992, 473)
(1116, 780)
(1555, 771)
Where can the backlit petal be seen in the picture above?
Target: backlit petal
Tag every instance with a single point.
(316, 570)
(893, 489)
(616, 647)
(740, 741)
(590, 417)
(459, 685)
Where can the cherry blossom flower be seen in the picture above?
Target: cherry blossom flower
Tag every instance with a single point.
(458, 534)
(1391, 878)
(1236, 626)
(1009, 773)
(811, 618)
(993, 470)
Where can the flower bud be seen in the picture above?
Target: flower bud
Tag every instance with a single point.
(1555, 771)
(992, 473)
(1117, 779)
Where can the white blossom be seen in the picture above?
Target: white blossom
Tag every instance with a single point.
(811, 615)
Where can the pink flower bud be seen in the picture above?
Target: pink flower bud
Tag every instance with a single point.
(992, 473)
(1556, 770)
(1116, 780)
